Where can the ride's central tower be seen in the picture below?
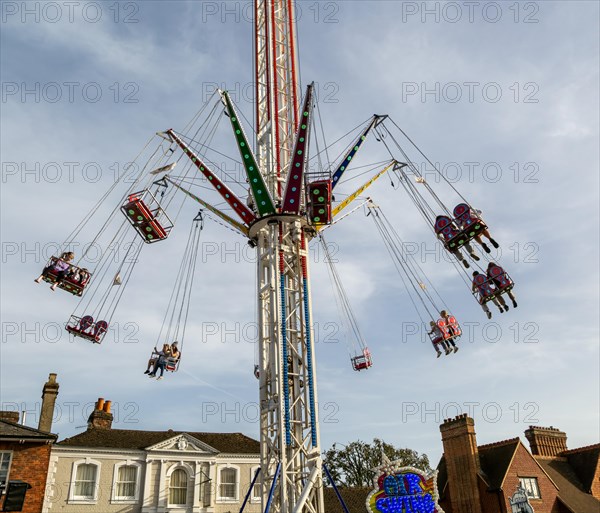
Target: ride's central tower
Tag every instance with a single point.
(290, 446)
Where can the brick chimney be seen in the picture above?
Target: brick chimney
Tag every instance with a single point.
(462, 463)
(101, 417)
(49, 394)
(546, 441)
(10, 416)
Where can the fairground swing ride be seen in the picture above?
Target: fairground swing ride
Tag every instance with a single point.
(283, 201)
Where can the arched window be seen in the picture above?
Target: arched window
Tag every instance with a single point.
(85, 481)
(228, 484)
(178, 487)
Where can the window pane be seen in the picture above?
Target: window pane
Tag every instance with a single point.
(4, 466)
(178, 487)
(256, 490)
(85, 481)
(126, 481)
(228, 483)
(531, 487)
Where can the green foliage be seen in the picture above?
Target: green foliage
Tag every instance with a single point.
(352, 465)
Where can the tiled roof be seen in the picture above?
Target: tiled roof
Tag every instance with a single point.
(495, 460)
(354, 498)
(232, 443)
(570, 490)
(584, 461)
(11, 430)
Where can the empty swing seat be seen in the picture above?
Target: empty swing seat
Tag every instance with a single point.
(74, 282)
(145, 214)
(85, 327)
(363, 361)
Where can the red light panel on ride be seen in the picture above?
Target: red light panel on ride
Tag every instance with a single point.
(319, 202)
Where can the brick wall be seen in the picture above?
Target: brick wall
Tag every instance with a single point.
(462, 463)
(30, 464)
(491, 501)
(596, 482)
(523, 465)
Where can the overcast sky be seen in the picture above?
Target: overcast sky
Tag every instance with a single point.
(504, 96)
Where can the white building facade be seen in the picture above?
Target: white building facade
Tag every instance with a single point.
(127, 471)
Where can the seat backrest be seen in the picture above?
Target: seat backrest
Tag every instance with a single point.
(463, 215)
(497, 274)
(101, 327)
(445, 227)
(86, 322)
(483, 285)
(453, 323)
(441, 324)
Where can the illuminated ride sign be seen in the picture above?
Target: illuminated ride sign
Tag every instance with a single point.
(403, 490)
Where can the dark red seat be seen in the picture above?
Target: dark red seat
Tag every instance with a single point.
(500, 278)
(466, 218)
(86, 328)
(363, 361)
(452, 237)
(145, 216)
(485, 289)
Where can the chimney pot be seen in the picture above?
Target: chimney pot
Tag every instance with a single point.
(101, 417)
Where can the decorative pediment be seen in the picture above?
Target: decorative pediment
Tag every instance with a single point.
(183, 443)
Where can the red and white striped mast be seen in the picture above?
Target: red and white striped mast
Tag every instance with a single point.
(290, 441)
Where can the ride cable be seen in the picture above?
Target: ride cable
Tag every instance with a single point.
(415, 281)
(360, 356)
(445, 331)
(175, 321)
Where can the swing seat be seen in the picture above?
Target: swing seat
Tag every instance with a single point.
(85, 327)
(500, 279)
(172, 364)
(145, 214)
(363, 361)
(453, 325)
(70, 283)
(471, 224)
(450, 329)
(485, 289)
(452, 237)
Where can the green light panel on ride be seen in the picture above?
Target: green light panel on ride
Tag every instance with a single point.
(262, 198)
